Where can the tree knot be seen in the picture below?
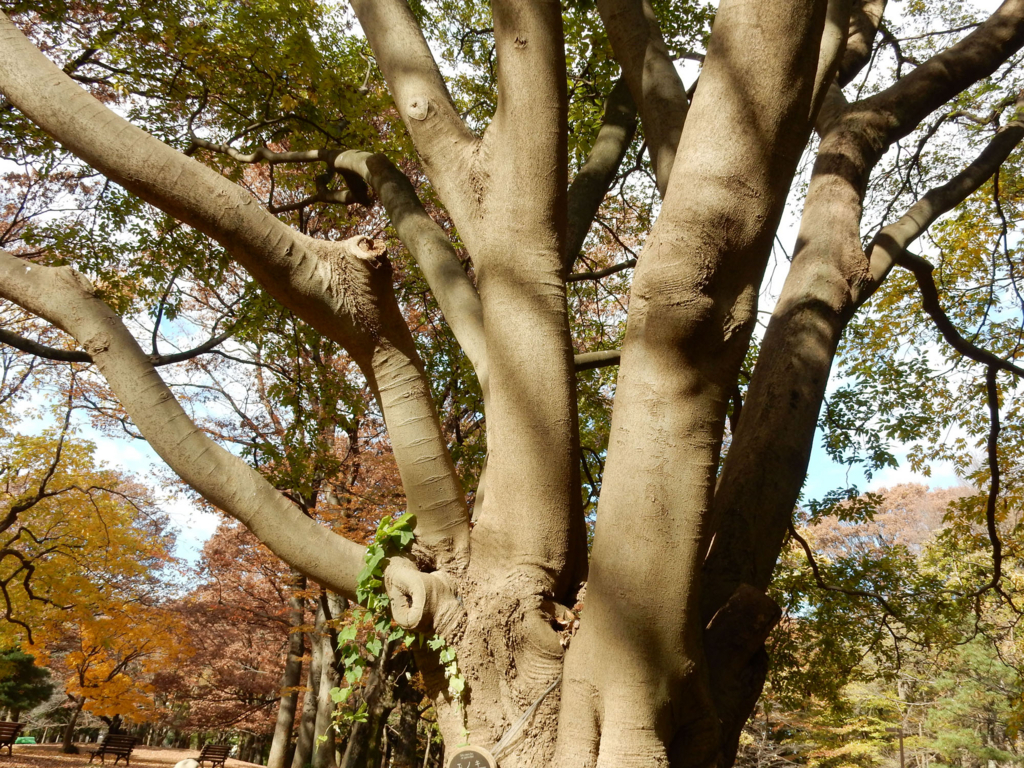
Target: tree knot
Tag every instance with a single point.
(365, 248)
(419, 108)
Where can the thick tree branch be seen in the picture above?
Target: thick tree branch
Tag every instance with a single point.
(66, 299)
(516, 236)
(902, 106)
(864, 23)
(830, 50)
(648, 70)
(426, 241)
(430, 246)
(443, 141)
(329, 285)
(591, 184)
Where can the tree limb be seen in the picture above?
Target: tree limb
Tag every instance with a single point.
(864, 23)
(889, 246)
(591, 184)
(66, 299)
(426, 241)
(830, 50)
(78, 356)
(903, 105)
(443, 141)
(648, 70)
(430, 246)
(922, 271)
(587, 360)
(829, 276)
(328, 284)
(599, 273)
(822, 584)
(41, 350)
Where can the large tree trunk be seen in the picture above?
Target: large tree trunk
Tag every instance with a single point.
(290, 679)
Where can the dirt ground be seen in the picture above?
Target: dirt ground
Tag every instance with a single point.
(49, 756)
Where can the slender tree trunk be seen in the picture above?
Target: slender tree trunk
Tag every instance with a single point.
(289, 680)
(405, 740)
(67, 746)
(245, 748)
(304, 740)
(324, 744)
(364, 740)
(302, 755)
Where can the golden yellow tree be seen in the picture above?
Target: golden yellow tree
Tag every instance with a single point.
(84, 556)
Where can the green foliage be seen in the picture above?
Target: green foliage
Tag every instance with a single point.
(372, 633)
(23, 685)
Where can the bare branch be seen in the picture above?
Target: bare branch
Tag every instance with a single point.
(41, 350)
(992, 446)
(922, 270)
(78, 356)
(262, 154)
(889, 245)
(188, 354)
(599, 273)
(587, 360)
(831, 587)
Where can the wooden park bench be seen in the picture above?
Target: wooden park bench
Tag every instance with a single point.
(118, 745)
(216, 754)
(8, 733)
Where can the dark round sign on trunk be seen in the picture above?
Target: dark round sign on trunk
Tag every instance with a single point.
(471, 757)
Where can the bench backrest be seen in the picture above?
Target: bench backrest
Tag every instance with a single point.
(9, 730)
(116, 743)
(215, 750)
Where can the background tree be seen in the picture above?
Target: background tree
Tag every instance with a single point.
(940, 663)
(23, 685)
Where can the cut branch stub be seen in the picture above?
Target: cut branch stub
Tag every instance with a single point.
(365, 248)
(421, 602)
